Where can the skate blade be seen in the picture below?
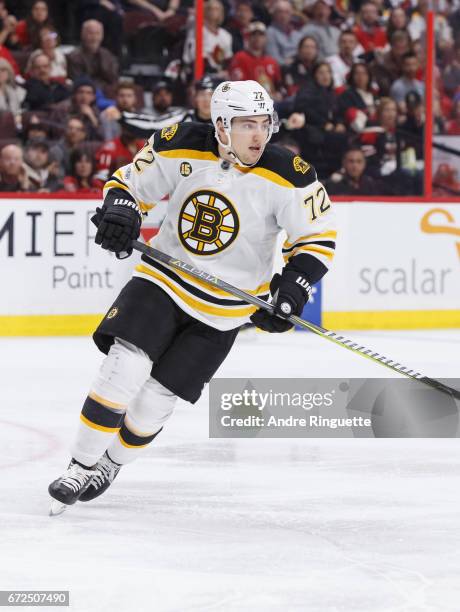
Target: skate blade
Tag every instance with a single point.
(57, 508)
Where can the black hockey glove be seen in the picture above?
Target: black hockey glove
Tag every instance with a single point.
(290, 291)
(118, 222)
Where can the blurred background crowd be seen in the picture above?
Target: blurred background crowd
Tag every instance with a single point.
(83, 83)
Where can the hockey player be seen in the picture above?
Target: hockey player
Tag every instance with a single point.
(230, 194)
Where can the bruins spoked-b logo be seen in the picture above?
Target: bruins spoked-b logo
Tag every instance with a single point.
(168, 132)
(300, 165)
(113, 313)
(208, 223)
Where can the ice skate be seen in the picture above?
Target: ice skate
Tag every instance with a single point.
(66, 489)
(107, 472)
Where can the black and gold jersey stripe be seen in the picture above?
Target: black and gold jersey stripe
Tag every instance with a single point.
(197, 141)
(196, 294)
(323, 244)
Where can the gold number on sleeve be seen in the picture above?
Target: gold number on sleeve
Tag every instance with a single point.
(317, 204)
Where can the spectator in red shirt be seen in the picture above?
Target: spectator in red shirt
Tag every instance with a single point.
(116, 153)
(28, 29)
(453, 126)
(369, 32)
(81, 178)
(253, 64)
(6, 55)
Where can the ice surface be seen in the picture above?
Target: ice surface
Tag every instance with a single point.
(232, 525)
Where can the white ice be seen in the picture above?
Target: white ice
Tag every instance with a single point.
(203, 524)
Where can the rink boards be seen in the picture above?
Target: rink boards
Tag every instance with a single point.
(396, 267)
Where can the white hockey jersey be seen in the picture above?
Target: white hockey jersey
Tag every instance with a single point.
(225, 219)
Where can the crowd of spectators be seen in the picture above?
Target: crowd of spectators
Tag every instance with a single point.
(83, 83)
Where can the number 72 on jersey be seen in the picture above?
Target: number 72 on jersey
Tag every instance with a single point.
(317, 204)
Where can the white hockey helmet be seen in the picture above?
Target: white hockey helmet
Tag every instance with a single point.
(241, 99)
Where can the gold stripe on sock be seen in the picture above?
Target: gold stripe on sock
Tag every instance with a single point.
(105, 402)
(126, 445)
(98, 427)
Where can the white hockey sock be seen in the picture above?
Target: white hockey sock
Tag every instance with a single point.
(122, 375)
(144, 419)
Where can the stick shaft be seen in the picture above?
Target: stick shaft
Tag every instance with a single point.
(355, 347)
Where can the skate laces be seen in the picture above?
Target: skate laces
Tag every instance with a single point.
(77, 477)
(107, 470)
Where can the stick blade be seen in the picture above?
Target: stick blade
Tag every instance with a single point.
(436, 384)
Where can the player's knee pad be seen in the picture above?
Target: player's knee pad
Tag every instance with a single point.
(123, 373)
(151, 408)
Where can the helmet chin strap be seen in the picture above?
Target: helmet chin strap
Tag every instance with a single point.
(231, 153)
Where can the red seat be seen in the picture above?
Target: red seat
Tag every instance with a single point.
(7, 125)
(136, 20)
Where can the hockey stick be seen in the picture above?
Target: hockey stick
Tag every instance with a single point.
(320, 331)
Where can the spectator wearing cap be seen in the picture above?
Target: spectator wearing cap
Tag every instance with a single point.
(299, 73)
(238, 26)
(341, 63)
(125, 101)
(48, 44)
(35, 130)
(11, 94)
(370, 34)
(201, 100)
(163, 112)
(91, 59)
(41, 90)
(254, 64)
(43, 173)
(282, 38)
(13, 174)
(353, 181)
(408, 82)
(82, 104)
(320, 27)
(217, 42)
(162, 115)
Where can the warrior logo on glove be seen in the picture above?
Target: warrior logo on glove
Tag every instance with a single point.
(208, 223)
